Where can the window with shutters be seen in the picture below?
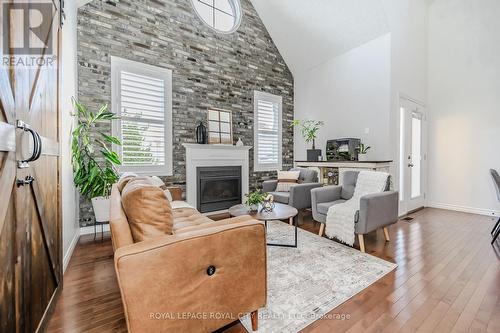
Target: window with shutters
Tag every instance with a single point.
(142, 97)
(267, 127)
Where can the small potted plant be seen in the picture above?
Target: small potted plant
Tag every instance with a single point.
(254, 199)
(94, 163)
(309, 130)
(362, 151)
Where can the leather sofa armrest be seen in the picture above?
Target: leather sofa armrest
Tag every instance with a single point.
(176, 192)
(209, 273)
(269, 185)
(377, 210)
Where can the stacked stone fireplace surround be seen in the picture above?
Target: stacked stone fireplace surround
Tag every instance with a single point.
(210, 70)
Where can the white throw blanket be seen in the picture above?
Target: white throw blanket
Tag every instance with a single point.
(340, 218)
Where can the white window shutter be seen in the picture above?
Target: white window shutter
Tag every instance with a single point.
(142, 99)
(268, 143)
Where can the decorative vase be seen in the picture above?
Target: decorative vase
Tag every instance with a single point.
(362, 158)
(201, 134)
(239, 143)
(101, 207)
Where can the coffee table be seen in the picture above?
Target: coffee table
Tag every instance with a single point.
(280, 212)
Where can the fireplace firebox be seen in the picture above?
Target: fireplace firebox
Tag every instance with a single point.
(218, 188)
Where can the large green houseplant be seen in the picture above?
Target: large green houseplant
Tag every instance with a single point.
(94, 162)
(309, 130)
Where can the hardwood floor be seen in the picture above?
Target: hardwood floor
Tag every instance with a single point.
(448, 279)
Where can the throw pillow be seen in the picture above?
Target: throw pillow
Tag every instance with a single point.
(286, 179)
(124, 179)
(147, 209)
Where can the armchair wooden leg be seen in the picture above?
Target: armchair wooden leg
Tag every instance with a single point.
(254, 316)
(386, 235)
(361, 243)
(321, 229)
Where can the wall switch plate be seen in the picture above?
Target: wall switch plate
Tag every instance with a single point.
(367, 130)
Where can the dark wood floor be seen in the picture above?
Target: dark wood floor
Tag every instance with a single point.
(448, 279)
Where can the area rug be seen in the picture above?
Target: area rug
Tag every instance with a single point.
(307, 282)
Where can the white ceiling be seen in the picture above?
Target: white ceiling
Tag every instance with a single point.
(309, 32)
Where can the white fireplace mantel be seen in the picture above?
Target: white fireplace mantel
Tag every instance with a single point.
(198, 155)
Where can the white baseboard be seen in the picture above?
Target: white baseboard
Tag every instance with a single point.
(90, 229)
(69, 252)
(465, 209)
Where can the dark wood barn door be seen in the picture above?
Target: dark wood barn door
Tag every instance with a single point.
(30, 225)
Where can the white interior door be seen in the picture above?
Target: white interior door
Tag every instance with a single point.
(413, 156)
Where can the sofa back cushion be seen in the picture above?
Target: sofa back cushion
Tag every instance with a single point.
(307, 175)
(124, 179)
(348, 183)
(148, 211)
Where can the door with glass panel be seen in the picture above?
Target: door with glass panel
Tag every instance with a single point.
(412, 156)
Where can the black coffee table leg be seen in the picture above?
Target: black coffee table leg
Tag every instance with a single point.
(295, 222)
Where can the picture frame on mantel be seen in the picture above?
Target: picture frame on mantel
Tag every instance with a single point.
(220, 126)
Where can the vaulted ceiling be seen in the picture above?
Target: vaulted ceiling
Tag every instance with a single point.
(309, 32)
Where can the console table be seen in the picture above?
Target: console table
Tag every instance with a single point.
(329, 171)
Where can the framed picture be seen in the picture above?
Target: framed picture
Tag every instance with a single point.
(220, 127)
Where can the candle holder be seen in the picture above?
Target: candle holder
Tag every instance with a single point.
(268, 204)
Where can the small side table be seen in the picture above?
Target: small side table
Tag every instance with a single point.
(280, 212)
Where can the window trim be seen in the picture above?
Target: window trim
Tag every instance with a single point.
(118, 65)
(259, 95)
(238, 16)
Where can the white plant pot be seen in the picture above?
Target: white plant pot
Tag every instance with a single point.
(101, 207)
(362, 157)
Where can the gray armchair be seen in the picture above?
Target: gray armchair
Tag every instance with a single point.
(377, 210)
(300, 194)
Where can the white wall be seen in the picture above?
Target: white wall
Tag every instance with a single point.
(350, 93)
(360, 89)
(408, 22)
(69, 196)
(464, 102)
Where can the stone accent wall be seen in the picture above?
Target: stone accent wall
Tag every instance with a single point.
(210, 70)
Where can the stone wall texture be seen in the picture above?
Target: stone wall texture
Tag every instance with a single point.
(210, 70)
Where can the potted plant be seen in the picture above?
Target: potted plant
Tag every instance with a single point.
(94, 163)
(309, 130)
(254, 199)
(362, 151)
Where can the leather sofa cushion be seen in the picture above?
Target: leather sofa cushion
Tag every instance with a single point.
(323, 207)
(147, 209)
(281, 197)
(124, 179)
(128, 176)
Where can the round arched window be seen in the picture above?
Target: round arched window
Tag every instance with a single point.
(221, 15)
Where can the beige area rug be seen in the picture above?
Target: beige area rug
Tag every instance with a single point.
(307, 282)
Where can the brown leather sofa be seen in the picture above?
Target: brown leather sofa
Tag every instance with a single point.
(202, 277)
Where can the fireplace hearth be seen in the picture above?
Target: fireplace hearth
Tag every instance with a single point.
(218, 188)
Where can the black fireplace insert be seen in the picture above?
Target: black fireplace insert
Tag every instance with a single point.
(218, 188)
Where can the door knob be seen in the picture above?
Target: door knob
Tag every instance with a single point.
(410, 165)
